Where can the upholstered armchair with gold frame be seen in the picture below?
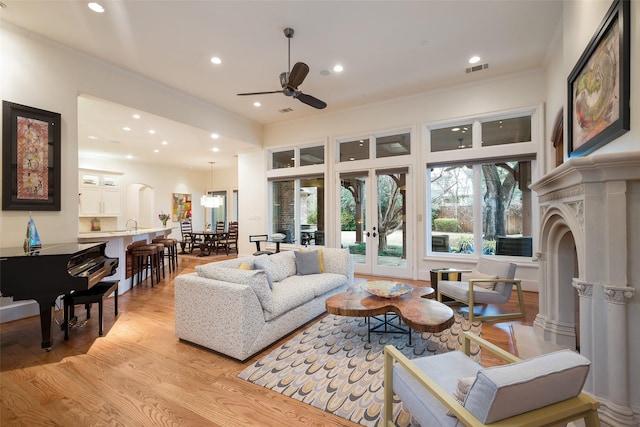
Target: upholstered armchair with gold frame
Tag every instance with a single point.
(491, 282)
(541, 391)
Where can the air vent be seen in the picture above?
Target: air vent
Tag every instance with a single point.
(477, 68)
(286, 110)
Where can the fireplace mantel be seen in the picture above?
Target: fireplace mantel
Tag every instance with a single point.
(589, 272)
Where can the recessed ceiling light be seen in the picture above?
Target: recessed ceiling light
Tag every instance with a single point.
(156, 151)
(93, 137)
(165, 143)
(127, 128)
(338, 68)
(455, 129)
(96, 7)
(151, 131)
(136, 116)
(216, 60)
(474, 60)
(129, 156)
(215, 136)
(257, 104)
(215, 149)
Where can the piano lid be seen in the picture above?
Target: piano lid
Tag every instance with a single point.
(48, 249)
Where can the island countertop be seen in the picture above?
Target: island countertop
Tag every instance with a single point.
(122, 233)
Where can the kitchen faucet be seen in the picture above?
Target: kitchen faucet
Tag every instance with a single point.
(135, 224)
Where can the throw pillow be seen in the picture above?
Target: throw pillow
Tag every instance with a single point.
(320, 258)
(252, 278)
(307, 263)
(475, 274)
(461, 391)
(244, 266)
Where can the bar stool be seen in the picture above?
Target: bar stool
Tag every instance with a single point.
(144, 259)
(159, 259)
(171, 246)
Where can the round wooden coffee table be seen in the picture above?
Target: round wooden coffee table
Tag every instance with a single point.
(417, 310)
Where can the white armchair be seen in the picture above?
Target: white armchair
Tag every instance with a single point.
(542, 391)
(491, 282)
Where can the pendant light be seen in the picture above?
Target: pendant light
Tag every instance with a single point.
(209, 200)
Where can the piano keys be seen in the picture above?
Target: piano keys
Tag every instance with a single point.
(45, 273)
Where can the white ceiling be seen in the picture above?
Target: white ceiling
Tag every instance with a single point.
(388, 49)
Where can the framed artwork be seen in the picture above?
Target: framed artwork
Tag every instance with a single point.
(598, 86)
(180, 207)
(30, 158)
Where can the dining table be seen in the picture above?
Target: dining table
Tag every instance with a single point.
(207, 240)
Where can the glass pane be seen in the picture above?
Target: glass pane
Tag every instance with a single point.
(451, 138)
(395, 145)
(506, 131)
(219, 213)
(354, 150)
(353, 216)
(312, 156)
(452, 209)
(506, 207)
(312, 211)
(283, 159)
(283, 209)
(392, 238)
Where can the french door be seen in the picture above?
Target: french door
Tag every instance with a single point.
(373, 218)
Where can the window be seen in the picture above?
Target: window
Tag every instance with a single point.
(502, 212)
(283, 159)
(298, 210)
(394, 145)
(506, 131)
(451, 138)
(312, 156)
(481, 204)
(354, 150)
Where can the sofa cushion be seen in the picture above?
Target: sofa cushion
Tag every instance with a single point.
(307, 262)
(505, 391)
(278, 266)
(256, 279)
(319, 284)
(288, 295)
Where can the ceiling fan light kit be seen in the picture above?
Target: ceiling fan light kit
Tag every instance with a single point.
(291, 79)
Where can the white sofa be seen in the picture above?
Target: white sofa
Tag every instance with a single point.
(239, 312)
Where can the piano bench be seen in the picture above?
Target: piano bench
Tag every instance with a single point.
(95, 294)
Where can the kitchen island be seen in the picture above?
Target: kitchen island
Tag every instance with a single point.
(117, 242)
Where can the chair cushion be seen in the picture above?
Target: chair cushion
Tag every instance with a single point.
(504, 391)
(504, 270)
(445, 369)
(460, 291)
(307, 263)
(475, 274)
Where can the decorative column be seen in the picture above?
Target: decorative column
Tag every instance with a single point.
(618, 407)
(585, 293)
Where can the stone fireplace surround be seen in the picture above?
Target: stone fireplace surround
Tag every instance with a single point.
(589, 273)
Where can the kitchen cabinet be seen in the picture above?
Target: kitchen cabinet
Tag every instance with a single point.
(100, 193)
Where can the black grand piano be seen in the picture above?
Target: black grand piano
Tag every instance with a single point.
(45, 273)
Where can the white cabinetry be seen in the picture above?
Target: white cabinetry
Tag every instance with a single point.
(100, 193)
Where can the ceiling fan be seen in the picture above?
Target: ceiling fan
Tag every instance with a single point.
(290, 80)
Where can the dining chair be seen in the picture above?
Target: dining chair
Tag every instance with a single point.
(231, 239)
(187, 236)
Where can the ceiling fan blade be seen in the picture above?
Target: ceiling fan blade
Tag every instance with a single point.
(311, 100)
(298, 74)
(260, 93)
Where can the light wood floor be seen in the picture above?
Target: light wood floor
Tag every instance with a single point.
(140, 374)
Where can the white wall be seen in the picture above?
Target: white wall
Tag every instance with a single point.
(42, 74)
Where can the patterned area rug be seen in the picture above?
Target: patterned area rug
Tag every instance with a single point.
(332, 366)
